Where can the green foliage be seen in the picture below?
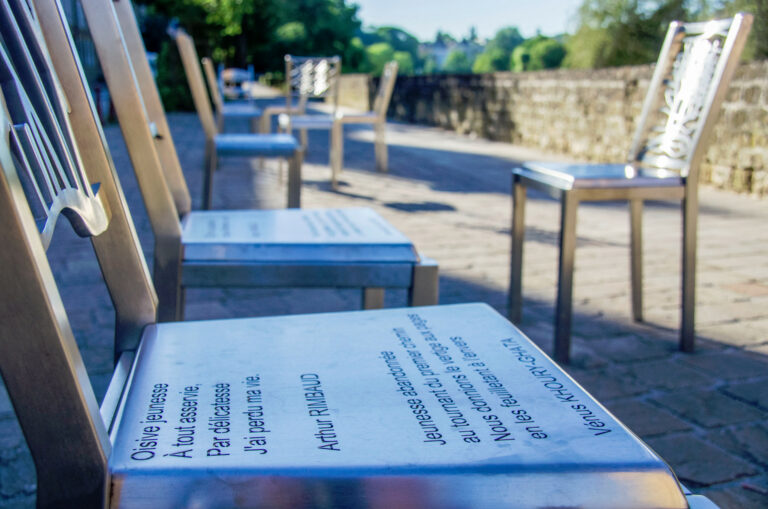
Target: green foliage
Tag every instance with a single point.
(497, 54)
(404, 62)
(378, 55)
(620, 32)
(173, 91)
(457, 62)
(757, 44)
(537, 53)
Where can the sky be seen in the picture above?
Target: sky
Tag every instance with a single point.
(423, 18)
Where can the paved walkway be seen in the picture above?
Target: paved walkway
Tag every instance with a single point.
(705, 413)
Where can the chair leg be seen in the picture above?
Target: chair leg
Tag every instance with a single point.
(167, 281)
(220, 122)
(373, 298)
(380, 146)
(210, 168)
(337, 153)
(636, 257)
(515, 302)
(294, 180)
(563, 309)
(690, 221)
(265, 126)
(304, 139)
(424, 289)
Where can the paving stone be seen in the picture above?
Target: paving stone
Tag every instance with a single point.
(696, 461)
(709, 408)
(11, 438)
(730, 365)
(18, 477)
(669, 374)
(609, 383)
(646, 420)
(749, 493)
(755, 393)
(629, 348)
(750, 441)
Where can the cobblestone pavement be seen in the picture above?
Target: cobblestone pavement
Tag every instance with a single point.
(705, 413)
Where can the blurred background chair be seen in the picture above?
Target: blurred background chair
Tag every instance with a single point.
(306, 78)
(242, 108)
(689, 82)
(335, 123)
(353, 247)
(246, 145)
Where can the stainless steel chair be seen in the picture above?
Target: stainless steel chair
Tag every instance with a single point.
(332, 410)
(221, 144)
(689, 82)
(335, 122)
(306, 78)
(348, 247)
(235, 109)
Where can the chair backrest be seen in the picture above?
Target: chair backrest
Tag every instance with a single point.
(149, 153)
(386, 86)
(214, 85)
(42, 157)
(190, 61)
(689, 83)
(310, 78)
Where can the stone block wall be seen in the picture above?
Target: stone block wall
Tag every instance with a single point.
(589, 115)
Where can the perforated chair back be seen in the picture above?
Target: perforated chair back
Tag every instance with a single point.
(386, 87)
(311, 78)
(688, 85)
(42, 177)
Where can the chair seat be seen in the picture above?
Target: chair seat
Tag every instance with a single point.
(567, 176)
(274, 145)
(240, 109)
(305, 121)
(358, 118)
(294, 235)
(368, 409)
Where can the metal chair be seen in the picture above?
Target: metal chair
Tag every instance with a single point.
(335, 122)
(249, 145)
(301, 411)
(306, 78)
(689, 82)
(223, 110)
(349, 247)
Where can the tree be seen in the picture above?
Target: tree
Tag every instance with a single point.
(620, 32)
(537, 53)
(378, 55)
(496, 56)
(457, 62)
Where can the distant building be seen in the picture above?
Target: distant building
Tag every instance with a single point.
(439, 50)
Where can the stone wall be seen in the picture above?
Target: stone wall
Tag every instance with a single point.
(589, 115)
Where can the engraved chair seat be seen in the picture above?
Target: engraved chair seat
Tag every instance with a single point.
(565, 176)
(696, 63)
(269, 145)
(298, 411)
(294, 235)
(348, 410)
(351, 247)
